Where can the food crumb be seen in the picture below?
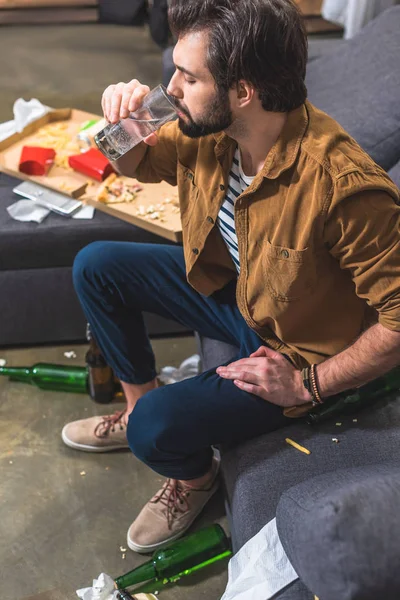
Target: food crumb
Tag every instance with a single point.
(11, 462)
(123, 556)
(122, 549)
(338, 424)
(70, 354)
(82, 473)
(297, 446)
(335, 440)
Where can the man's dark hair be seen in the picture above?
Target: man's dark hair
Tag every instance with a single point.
(261, 41)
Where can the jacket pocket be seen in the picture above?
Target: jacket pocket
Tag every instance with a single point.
(289, 274)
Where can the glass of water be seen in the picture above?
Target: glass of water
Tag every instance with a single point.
(117, 139)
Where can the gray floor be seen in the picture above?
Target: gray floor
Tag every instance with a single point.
(71, 65)
(60, 528)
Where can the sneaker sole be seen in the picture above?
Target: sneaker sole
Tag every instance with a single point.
(146, 549)
(87, 448)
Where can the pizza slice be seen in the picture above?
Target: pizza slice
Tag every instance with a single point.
(117, 189)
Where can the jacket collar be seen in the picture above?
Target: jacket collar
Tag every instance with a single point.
(284, 152)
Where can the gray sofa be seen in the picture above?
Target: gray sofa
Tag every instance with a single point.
(38, 304)
(358, 83)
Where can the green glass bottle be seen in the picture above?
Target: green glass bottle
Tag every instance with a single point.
(60, 378)
(182, 557)
(352, 401)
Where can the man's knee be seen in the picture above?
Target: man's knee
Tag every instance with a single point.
(86, 263)
(151, 425)
(92, 263)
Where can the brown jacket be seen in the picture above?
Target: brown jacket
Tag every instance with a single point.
(318, 233)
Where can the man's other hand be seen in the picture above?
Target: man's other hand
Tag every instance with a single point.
(267, 374)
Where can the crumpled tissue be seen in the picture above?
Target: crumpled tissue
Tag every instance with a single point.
(260, 569)
(27, 210)
(190, 367)
(24, 113)
(103, 588)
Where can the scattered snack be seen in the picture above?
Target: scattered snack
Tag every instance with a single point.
(92, 163)
(116, 189)
(56, 135)
(297, 446)
(36, 160)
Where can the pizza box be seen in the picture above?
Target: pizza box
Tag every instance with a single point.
(66, 123)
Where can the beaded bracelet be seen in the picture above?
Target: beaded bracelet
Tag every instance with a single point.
(305, 373)
(310, 383)
(314, 383)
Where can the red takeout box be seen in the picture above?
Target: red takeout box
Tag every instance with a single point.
(92, 163)
(36, 160)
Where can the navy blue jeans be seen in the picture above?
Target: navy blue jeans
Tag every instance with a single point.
(171, 428)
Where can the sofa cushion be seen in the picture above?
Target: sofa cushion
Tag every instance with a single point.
(214, 353)
(358, 84)
(56, 241)
(257, 472)
(394, 173)
(341, 532)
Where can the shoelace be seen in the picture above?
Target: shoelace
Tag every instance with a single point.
(174, 497)
(108, 423)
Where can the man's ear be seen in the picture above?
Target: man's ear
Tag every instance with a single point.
(245, 93)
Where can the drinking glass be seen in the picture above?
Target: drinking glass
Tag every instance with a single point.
(117, 139)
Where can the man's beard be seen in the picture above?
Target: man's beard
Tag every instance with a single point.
(219, 117)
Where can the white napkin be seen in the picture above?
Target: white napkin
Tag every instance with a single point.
(86, 212)
(260, 569)
(103, 588)
(24, 113)
(29, 210)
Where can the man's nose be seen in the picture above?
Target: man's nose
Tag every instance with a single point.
(173, 88)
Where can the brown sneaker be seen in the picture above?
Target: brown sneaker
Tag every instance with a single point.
(97, 434)
(169, 513)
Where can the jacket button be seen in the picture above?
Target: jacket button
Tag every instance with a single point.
(210, 220)
(285, 254)
(195, 250)
(222, 187)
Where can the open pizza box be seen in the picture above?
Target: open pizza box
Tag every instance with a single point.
(155, 206)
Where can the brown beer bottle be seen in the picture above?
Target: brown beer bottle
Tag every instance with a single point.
(101, 383)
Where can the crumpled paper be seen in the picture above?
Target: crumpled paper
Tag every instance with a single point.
(24, 113)
(190, 367)
(260, 569)
(103, 588)
(28, 210)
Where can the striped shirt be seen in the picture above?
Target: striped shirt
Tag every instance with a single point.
(238, 183)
